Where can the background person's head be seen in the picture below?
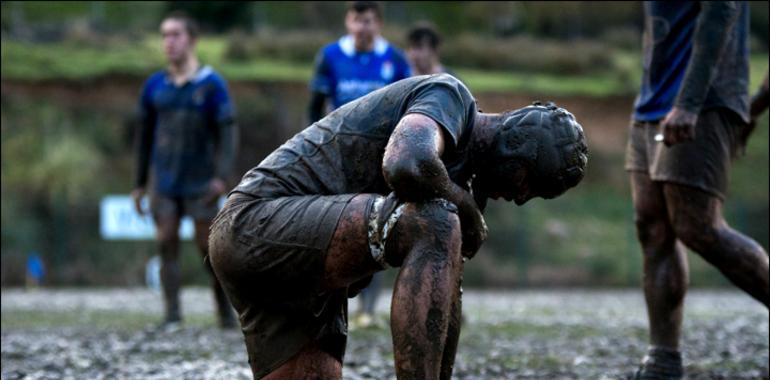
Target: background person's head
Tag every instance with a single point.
(363, 21)
(538, 151)
(179, 32)
(422, 50)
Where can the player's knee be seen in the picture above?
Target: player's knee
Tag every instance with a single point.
(653, 231)
(434, 225)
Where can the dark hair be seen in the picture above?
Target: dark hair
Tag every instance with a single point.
(424, 32)
(189, 23)
(363, 6)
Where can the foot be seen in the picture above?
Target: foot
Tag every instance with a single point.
(660, 363)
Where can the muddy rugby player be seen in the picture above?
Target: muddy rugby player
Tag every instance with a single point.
(398, 178)
(188, 136)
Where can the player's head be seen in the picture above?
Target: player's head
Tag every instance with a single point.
(179, 32)
(537, 151)
(423, 42)
(363, 21)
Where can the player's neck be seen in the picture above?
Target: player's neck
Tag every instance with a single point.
(364, 46)
(183, 70)
(483, 134)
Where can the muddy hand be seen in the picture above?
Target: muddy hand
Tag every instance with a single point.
(678, 126)
(474, 232)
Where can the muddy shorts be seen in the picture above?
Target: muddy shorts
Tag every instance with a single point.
(270, 257)
(703, 163)
(199, 208)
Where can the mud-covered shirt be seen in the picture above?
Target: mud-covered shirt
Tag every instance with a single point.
(187, 133)
(342, 153)
(696, 57)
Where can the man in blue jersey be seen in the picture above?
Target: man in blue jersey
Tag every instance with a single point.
(358, 63)
(688, 120)
(188, 136)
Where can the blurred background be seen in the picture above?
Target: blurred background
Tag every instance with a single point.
(72, 73)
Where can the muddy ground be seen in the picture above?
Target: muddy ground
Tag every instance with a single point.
(553, 334)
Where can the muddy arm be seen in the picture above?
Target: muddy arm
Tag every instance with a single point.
(413, 168)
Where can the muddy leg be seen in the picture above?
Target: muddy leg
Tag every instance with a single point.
(225, 312)
(170, 273)
(697, 219)
(426, 288)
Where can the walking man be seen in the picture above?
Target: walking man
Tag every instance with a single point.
(688, 119)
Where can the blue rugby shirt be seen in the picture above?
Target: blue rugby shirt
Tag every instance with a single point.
(695, 57)
(187, 133)
(344, 74)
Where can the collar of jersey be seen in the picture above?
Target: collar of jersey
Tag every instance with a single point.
(200, 75)
(348, 46)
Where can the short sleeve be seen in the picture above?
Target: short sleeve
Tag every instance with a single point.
(444, 104)
(322, 76)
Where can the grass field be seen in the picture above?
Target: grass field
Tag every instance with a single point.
(515, 334)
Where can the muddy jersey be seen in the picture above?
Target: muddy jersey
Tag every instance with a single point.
(342, 153)
(187, 133)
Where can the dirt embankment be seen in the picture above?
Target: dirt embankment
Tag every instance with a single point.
(604, 119)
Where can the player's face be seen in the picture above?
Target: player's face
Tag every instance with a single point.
(421, 56)
(364, 27)
(177, 43)
(508, 181)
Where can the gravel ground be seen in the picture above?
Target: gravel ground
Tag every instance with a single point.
(532, 334)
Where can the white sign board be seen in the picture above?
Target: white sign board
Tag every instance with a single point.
(118, 220)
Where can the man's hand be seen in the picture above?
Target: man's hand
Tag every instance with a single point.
(137, 195)
(474, 229)
(217, 187)
(679, 126)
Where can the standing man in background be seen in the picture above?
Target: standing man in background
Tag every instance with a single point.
(188, 136)
(423, 42)
(688, 121)
(358, 63)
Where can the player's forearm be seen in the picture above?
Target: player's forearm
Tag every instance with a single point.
(144, 141)
(712, 30)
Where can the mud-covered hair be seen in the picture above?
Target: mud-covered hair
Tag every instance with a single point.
(549, 142)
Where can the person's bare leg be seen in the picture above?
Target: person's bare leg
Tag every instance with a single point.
(453, 335)
(426, 288)
(170, 273)
(347, 262)
(310, 363)
(425, 242)
(665, 263)
(697, 219)
(224, 309)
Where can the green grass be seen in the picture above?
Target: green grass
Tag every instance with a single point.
(74, 60)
